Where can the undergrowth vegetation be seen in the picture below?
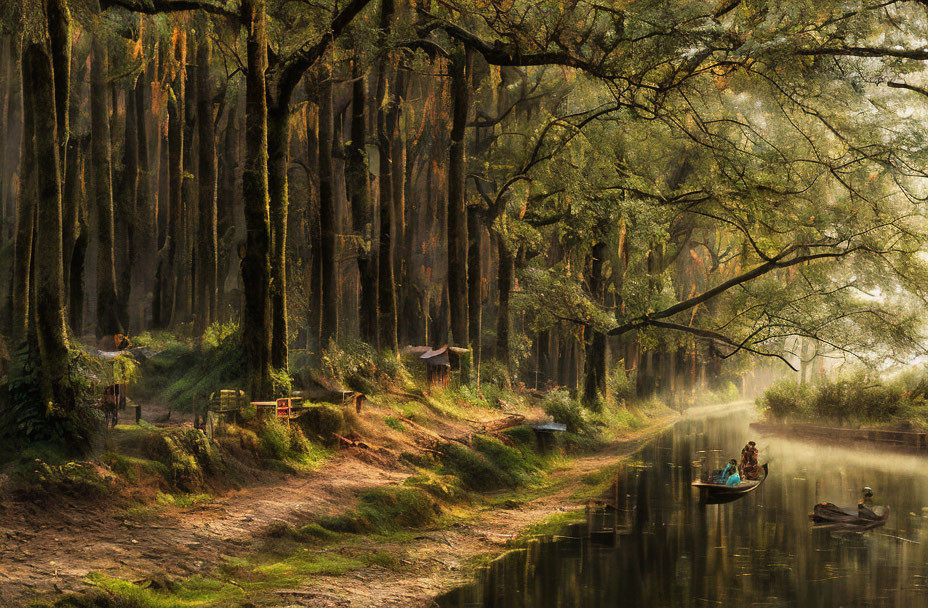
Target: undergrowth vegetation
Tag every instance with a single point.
(856, 399)
(181, 373)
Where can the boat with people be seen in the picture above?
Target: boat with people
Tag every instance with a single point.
(713, 491)
(827, 515)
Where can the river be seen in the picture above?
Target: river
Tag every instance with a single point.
(759, 551)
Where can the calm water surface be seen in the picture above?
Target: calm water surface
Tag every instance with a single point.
(759, 551)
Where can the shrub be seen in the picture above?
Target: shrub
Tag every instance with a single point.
(523, 436)
(565, 410)
(857, 398)
(321, 420)
(621, 384)
(784, 399)
(27, 419)
(183, 374)
(353, 365)
(385, 510)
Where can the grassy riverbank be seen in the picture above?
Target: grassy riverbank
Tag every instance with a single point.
(430, 529)
(856, 400)
(414, 487)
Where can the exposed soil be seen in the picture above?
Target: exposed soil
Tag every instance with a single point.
(51, 546)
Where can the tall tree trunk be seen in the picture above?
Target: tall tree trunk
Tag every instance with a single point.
(229, 196)
(314, 279)
(504, 282)
(186, 273)
(207, 239)
(107, 312)
(73, 205)
(457, 212)
(595, 381)
(327, 217)
(49, 314)
(59, 30)
(126, 208)
(145, 241)
(256, 329)
(278, 142)
(386, 127)
(175, 225)
(474, 283)
(25, 214)
(404, 310)
(358, 185)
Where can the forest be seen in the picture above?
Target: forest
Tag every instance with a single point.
(600, 207)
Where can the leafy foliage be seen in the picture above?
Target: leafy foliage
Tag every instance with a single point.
(182, 374)
(859, 398)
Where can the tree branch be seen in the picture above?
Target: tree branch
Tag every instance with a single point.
(300, 61)
(154, 7)
(706, 333)
(774, 264)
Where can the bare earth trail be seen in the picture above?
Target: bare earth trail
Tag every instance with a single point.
(438, 560)
(52, 547)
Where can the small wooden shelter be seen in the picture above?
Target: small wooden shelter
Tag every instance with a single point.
(439, 362)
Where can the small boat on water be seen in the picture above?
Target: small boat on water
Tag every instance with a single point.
(830, 516)
(719, 493)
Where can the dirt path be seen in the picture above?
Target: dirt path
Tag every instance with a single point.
(52, 547)
(437, 560)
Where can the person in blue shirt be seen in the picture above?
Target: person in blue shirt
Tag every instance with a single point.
(731, 469)
(733, 479)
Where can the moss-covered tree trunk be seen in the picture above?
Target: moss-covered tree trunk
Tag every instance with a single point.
(187, 270)
(175, 203)
(49, 313)
(127, 208)
(503, 291)
(25, 214)
(386, 127)
(59, 36)
(457, 210)
(74, 226)
(207, 245)
(314, 230)
(230, 194)
(256, 329)
(405, 303)
(278, 143)
(145, 241)
(474, 283)
(327, 216)
(358, 187)
(595, 377)
(101, 155)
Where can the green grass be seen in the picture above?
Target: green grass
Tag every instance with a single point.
(386, 509)
(490, 464)
(554, 524)
(394, 423)
(290, 447)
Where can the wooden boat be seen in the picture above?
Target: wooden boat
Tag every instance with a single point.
(829, 516)
(719, 493)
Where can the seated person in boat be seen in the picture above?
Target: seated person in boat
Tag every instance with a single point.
(865, 504)
(735, 478)
(731, 469)
(749, 467)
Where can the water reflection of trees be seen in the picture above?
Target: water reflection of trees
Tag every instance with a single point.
(670, 551)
